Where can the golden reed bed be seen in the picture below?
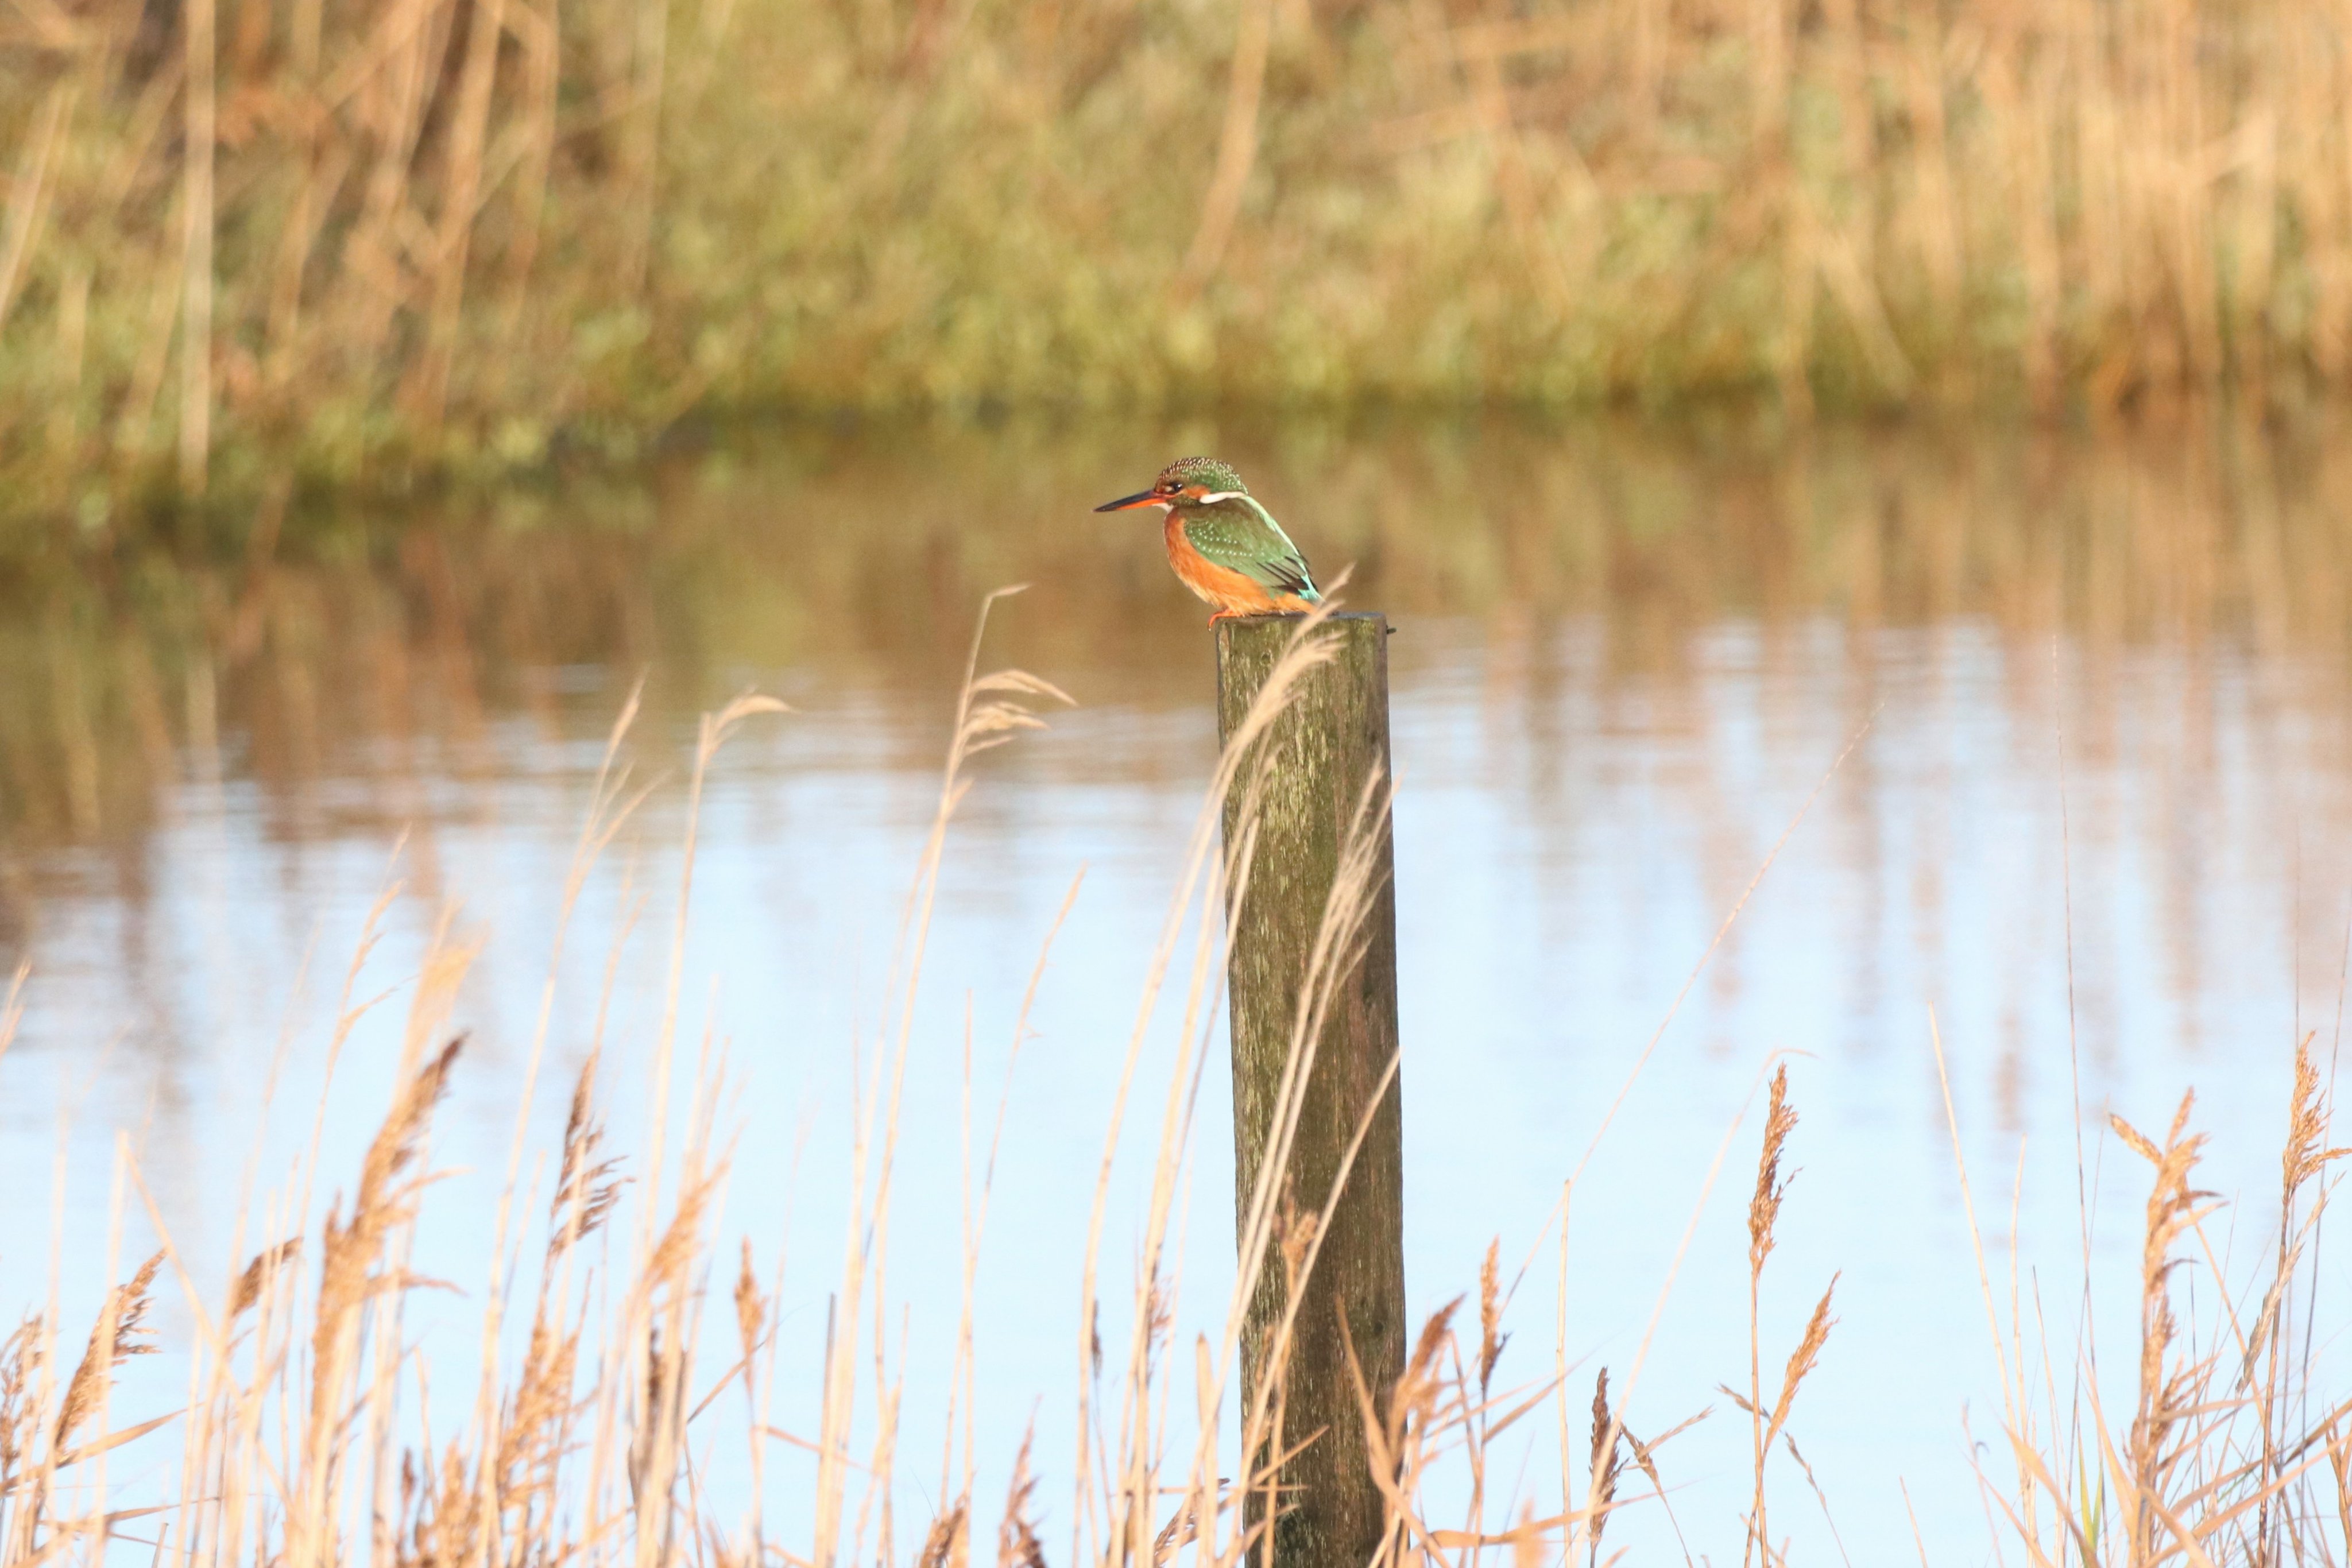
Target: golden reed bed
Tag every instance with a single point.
(252, 242)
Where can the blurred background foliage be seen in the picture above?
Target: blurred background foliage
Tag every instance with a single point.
(257, 247)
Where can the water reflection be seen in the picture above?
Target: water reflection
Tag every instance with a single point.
(2105, 670)
(343, 647)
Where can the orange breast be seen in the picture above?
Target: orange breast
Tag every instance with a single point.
(1230, 591)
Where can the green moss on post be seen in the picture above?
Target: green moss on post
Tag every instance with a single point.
(1331, 740)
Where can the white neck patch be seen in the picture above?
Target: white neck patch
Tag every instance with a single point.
(1211, 500)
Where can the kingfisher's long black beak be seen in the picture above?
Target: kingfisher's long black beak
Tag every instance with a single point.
(1127, 503)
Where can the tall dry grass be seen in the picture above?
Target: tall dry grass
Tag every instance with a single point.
(308, 1438)
(258, 242)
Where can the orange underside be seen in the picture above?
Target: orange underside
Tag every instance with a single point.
(1233, 592)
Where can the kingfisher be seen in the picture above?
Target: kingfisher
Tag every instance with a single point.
(1224, 545)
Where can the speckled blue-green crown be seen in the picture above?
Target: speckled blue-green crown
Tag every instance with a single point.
(1206, 472)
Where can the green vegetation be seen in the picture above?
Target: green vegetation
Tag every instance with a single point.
(470, 236)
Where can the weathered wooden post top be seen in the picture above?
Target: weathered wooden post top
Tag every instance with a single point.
(1329, 744)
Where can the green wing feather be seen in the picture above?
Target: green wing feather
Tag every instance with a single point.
(1239, 534)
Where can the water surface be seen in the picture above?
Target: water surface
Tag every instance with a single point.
(2089, 830)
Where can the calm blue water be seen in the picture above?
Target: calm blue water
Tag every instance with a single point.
(2091, 830)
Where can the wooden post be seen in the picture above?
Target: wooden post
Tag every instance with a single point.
(1333, 739)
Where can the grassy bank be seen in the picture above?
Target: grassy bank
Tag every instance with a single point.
(628, 1340)
(250, 242)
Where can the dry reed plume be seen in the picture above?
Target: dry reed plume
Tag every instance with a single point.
(249, 242)
(299, 1444)
(1769, 1418)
